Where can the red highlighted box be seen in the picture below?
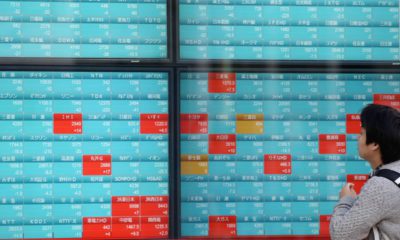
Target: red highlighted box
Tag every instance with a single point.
(332, 144)
(358, 180)
(121, 226)
(154, 227)
(96, 165)
(324, 221)
(353, 124)
(67, 123)
(154, 205)
(194, 123)
(96, 227)
(154, 123)
(222, 82)
(154, 199)
(277, 164)
(222, 144)
(125, 206)
(391, 100)
(222, 226)
(125, 227)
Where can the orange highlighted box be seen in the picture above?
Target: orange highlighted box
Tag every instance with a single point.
(222, 82)
(194, 123)
(222, 226)
(194, 168)
(353, 124)
(249, 123)
(332, 144)
(96, 165)
(324, 221)
(391, 100)
(358, 180)
(277, 164)
(67, 123)
(222, 144)
(194, 164)
(154, 123)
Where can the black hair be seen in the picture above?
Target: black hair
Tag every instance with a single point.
(382, 126)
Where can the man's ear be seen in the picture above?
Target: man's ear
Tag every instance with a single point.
(374, 146)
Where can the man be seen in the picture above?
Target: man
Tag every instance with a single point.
(378, 204)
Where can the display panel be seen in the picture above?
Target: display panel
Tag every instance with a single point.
(84, 29)
(366, 30)
(84, 155)
(266, 154)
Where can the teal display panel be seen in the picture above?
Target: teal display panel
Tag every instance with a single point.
(362, 30)
(83, 155)
(134, 29)
(266, 154)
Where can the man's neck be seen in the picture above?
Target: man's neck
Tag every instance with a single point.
(375, 163)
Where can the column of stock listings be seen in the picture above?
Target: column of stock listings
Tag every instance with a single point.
(83, 155)
(267, 153)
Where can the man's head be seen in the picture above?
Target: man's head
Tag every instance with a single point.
(381, 127)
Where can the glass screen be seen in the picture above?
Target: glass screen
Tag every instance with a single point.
(267, 153)
(83, 154)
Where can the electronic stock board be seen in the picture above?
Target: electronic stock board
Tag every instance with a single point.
(134, 29)
(266, 154)
(331, 30)
(83, 155)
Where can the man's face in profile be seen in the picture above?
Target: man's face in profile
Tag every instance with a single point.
(362, 145)
(367, 151)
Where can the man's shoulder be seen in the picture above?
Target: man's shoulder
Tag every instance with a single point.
(378, 185)
(395, 166)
